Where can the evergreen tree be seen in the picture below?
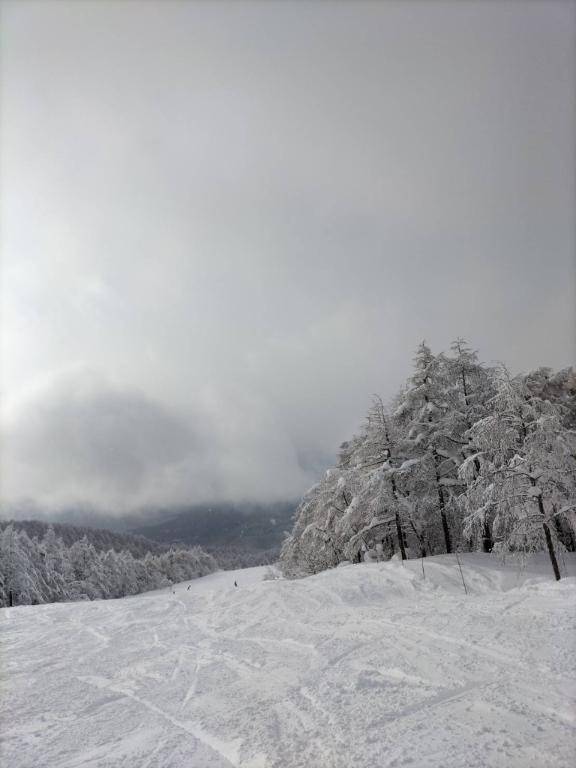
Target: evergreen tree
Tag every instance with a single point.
(20, 585)
(468, 456)
(424, 413)
(528, 470)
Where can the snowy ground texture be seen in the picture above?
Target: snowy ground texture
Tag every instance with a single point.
(365, 666)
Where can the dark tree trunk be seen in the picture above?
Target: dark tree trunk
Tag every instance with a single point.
(547, 534)
(445, 528)
(400, 533)
(442, 505)
(399, 530)
(487, 541)
(564, 533)
(10, 598)
(551, 552)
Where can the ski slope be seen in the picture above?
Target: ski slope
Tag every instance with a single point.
(370, 666)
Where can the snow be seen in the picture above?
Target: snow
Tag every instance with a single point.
(364, 666)
(408, 463)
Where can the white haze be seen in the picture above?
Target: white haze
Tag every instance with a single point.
(224, 225)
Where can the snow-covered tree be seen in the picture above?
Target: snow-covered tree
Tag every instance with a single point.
(315, 544)
(424, 413)
(22, 583)
(46, 570)
(466, 456)
(527, 478)
(58, 567)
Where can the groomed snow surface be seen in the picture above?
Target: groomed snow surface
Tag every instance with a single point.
(364, 666)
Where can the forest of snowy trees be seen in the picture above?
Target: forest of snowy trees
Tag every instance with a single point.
(466, 457)
(102, 539)
(45, 570)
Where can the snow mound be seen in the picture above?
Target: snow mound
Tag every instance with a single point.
(370, 665)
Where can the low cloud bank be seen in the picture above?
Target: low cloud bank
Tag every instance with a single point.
(80, 439)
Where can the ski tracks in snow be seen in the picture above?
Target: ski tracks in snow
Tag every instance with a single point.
(362, 666)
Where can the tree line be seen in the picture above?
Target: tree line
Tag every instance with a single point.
(45, 570)
(466, 457)
(102, 539)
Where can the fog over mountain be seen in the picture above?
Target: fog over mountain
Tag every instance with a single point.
(225, 225)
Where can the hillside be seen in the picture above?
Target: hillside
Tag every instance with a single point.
(366, 665)
(231, 532)
(101, 539)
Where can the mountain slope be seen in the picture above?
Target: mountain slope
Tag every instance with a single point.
(101, 539)
(367, 665)
(254, 526)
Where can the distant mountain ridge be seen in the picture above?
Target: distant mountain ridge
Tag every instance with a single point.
(236, 534)
(245, 530)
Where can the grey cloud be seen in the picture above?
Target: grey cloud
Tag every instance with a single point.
(79, 437)
(251, 213)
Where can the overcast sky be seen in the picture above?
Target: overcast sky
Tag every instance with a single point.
(225, 225)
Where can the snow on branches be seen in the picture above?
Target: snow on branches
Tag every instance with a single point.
(46, 570)
(466, 457)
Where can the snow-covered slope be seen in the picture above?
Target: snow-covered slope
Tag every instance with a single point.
(366, 666)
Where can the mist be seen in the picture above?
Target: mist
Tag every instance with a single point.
(225, 225)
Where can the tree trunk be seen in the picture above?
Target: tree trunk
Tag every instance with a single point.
(442, 505)
(547, 534)
(487, 541)
(563, 532)
(445, 528)
(551, 552)
(400, 533)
